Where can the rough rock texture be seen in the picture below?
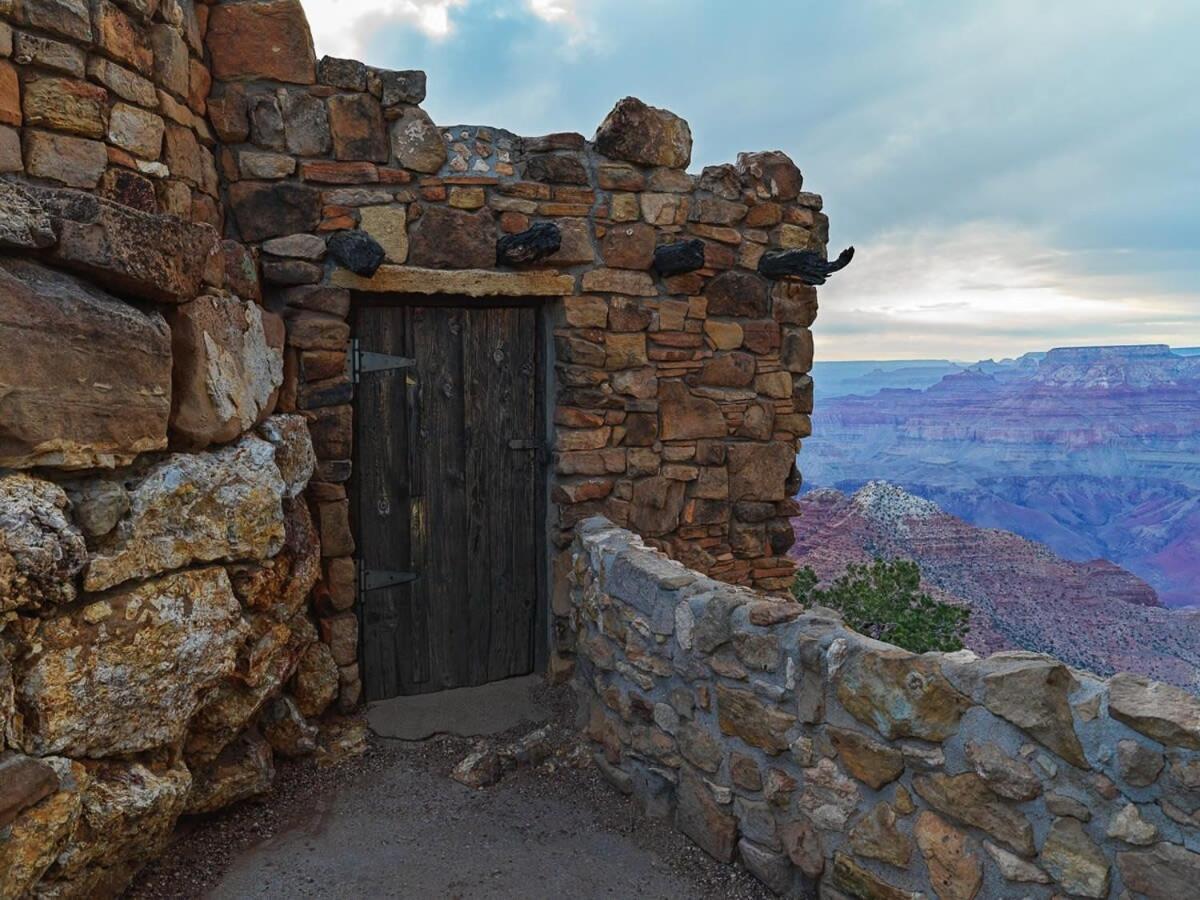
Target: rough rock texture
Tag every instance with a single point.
(244, 769)
(128, 812)
(294, 455)
(135, 254)
(24, 223)
(41, 551)
(645, 135)
(35, 837)
(228, 366)
(1168, 714)
(85, 380)
(266, 39)
(837, 766)
(93, 682)
(185, 508)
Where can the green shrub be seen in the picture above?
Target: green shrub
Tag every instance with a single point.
(884, 601)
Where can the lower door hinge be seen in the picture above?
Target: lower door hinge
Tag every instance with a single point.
(377, 579)
(365, 361)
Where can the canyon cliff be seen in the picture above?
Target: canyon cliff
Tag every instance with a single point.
(1094, 451)
(1093, 615)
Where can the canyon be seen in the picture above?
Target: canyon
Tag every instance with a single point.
(1093, 451)
(1093, 615)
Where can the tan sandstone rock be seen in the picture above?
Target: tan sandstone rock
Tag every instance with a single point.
(228, 366)
(185, 508)
(954, 870)
(152, 652)
(1166, 713)
(41, 551)
(1074, 861)
(875, 836)
(899, 694)
(129, 810)
(315, 685)
(858, 882)
(72, 355)
(244, 769)
(38, 834)
(1031, 691)
(967, 798)
(1162, 872)
(869, 761)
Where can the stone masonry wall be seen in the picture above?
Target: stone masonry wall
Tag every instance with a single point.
(832, 765)
(679, 400)
(189, 203)
(162, 597)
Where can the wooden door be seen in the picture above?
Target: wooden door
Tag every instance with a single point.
(446, 486)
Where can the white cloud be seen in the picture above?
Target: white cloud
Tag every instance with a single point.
(340, 27)
(986, 289)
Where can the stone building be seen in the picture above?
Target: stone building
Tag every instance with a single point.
(305, 398)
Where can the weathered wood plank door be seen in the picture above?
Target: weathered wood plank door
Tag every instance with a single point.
(446, 486)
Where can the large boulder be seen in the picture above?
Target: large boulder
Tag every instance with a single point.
(280, 585)
(186, 508)
(645, 135)
(126, 672)
(139, 255)
(228, 368)
(129, 810)
(85, 380)
(41, 552)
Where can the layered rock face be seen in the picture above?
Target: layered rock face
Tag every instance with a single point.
(1089, 450)
(833, 765)
(157, 553)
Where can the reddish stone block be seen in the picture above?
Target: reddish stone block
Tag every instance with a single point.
(339, 172)
(122, 38)
(264, 39)
(356, 121)
(10, 94)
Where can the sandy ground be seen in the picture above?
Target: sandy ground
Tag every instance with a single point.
(391, 823)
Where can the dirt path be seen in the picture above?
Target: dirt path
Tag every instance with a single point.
(391, 823)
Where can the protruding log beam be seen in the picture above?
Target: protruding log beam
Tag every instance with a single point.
(805, 265)
(537, 242)
(678, 258)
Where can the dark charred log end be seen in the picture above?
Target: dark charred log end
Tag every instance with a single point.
(537, 242)
(804, 265)
(679, 258)
(356, 251)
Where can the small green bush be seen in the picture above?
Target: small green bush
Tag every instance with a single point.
(884, 601)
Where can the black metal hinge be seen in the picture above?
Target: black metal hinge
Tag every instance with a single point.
(377, 579)
(365, 361)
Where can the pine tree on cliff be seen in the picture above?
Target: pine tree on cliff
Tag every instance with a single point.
(884, 601)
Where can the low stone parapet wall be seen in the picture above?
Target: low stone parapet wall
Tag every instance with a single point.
(833, 765)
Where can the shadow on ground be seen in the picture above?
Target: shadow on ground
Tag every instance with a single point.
(391, 823)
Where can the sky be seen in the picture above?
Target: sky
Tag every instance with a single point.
(1014, 174)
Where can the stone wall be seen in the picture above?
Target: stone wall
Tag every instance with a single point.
(162, 597)
(190, 202)
(832, 765)
(679, 400)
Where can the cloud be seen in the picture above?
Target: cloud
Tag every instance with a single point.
(1026, 170)
(342, 27)
(984, 289)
